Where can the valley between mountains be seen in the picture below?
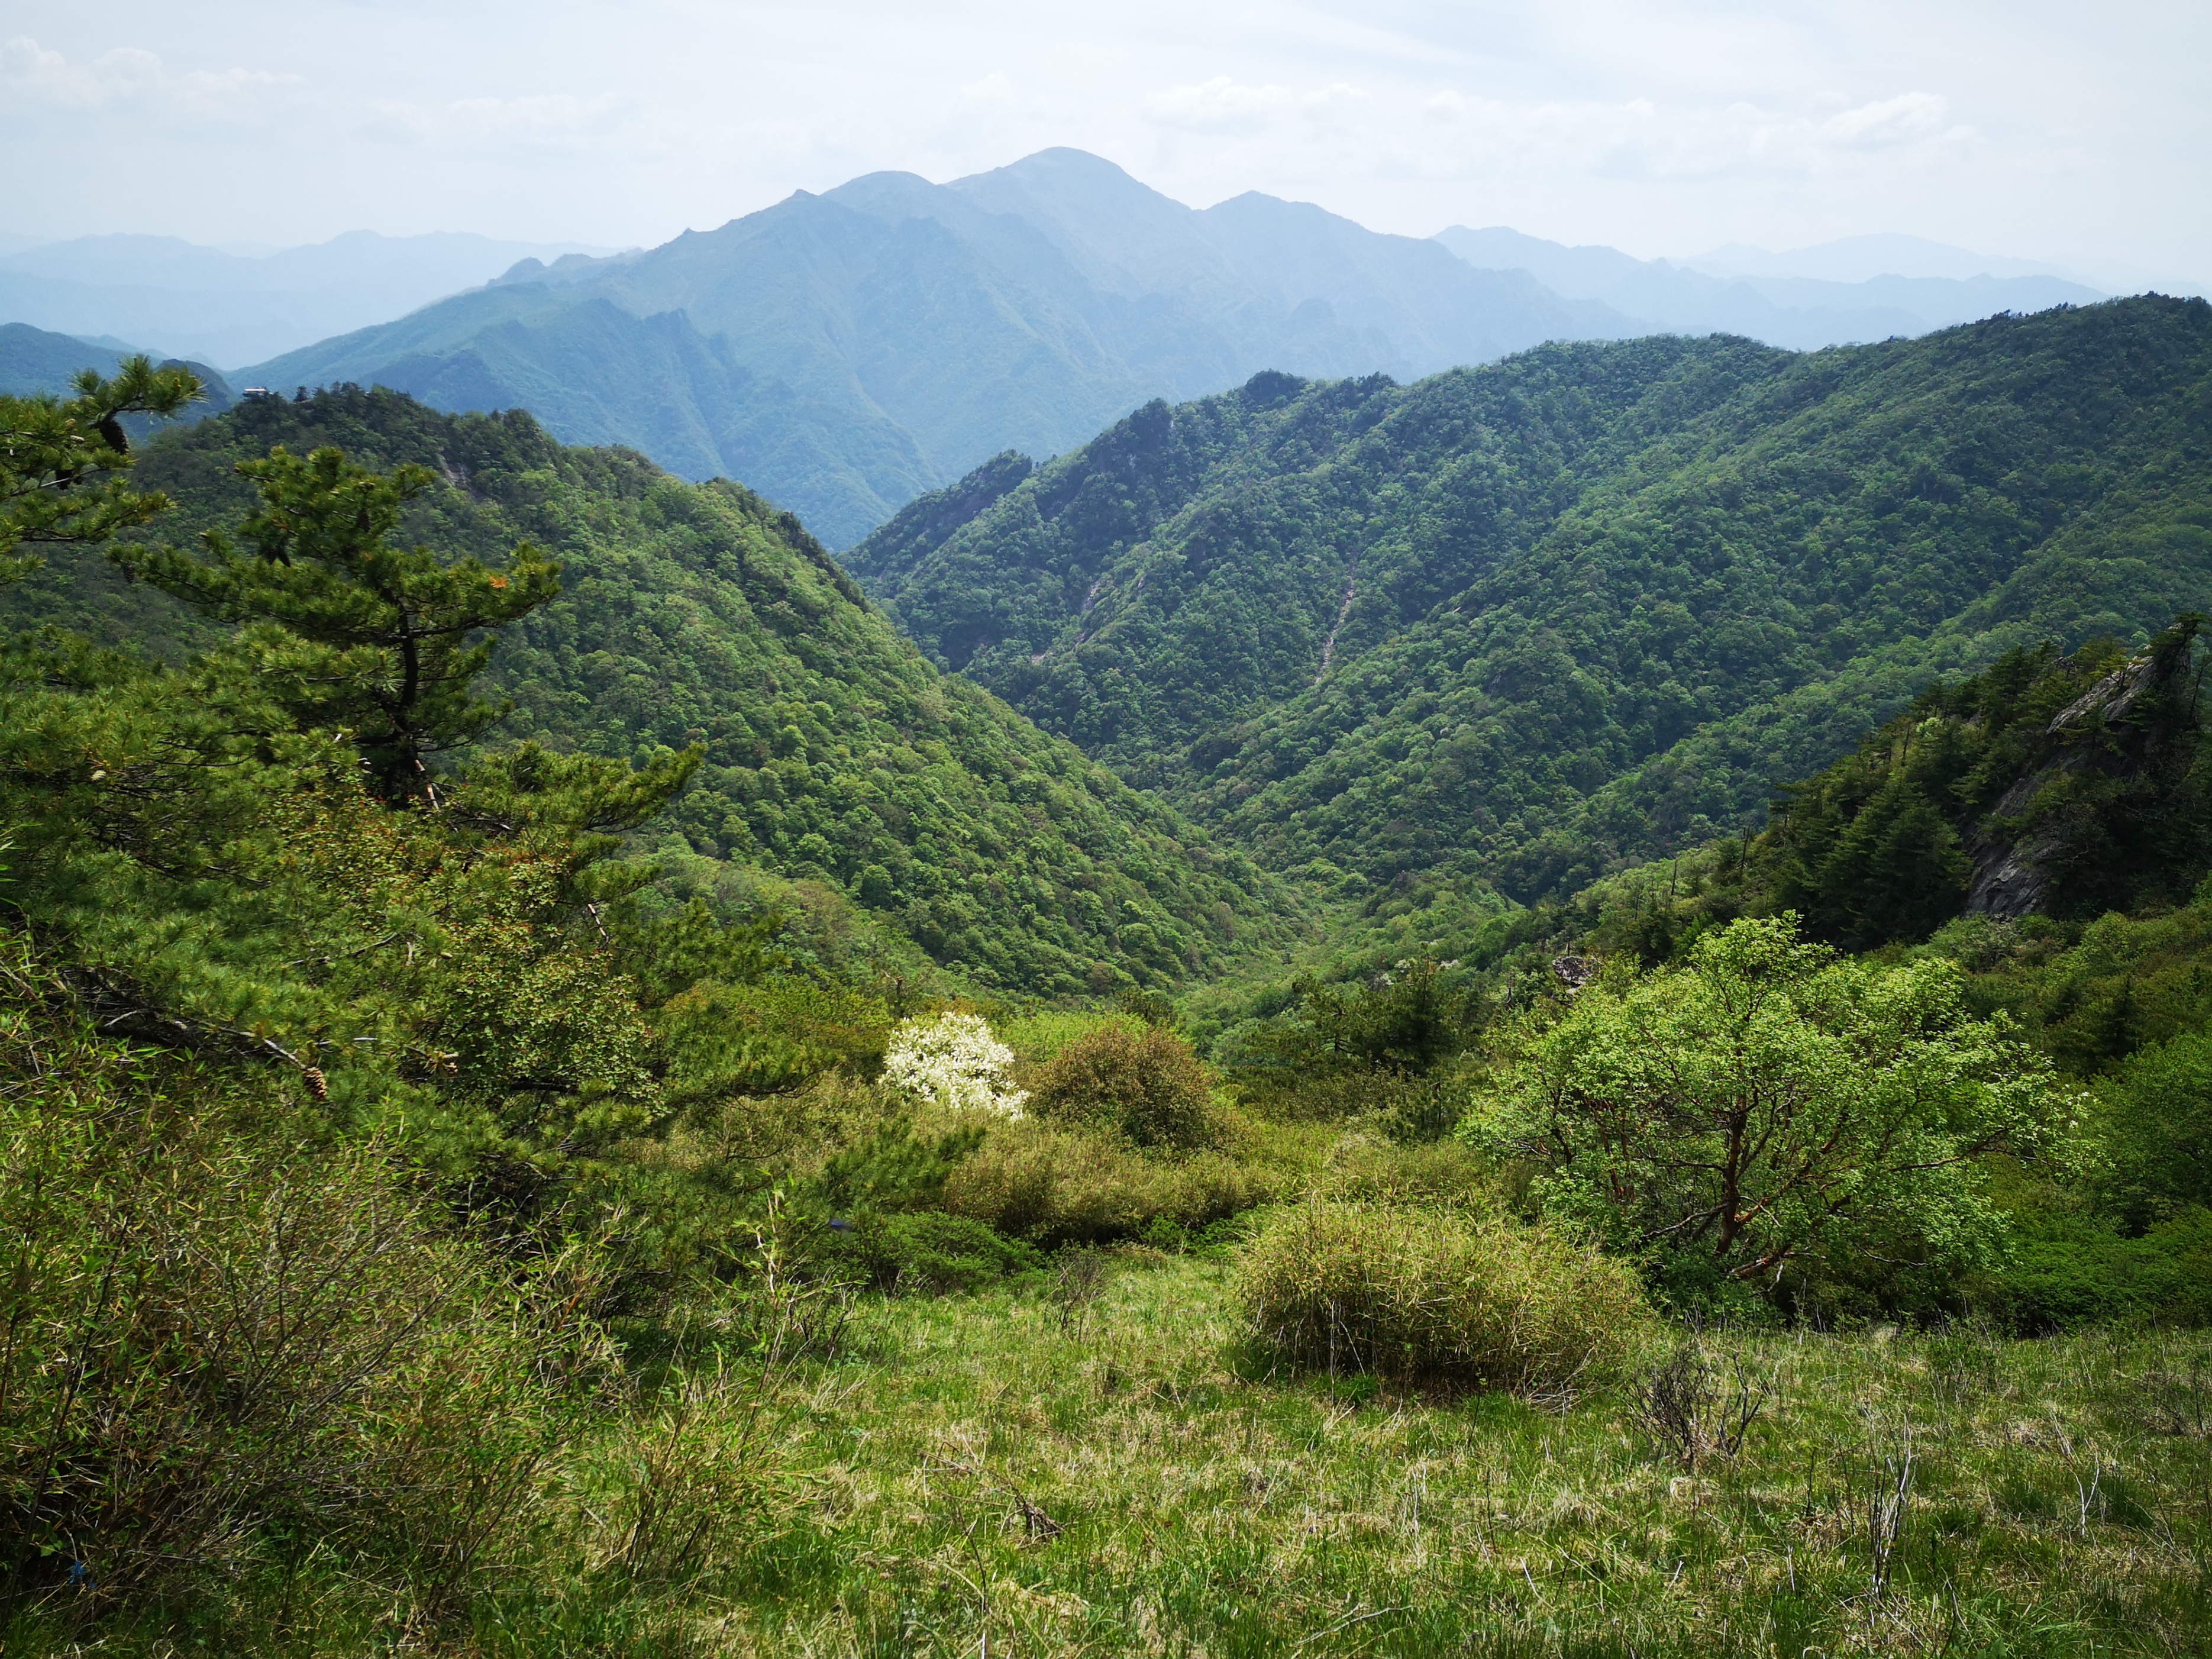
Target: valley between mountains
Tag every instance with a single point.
(1487, 636)
(1516, 625)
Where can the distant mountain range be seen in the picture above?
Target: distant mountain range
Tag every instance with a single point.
(1771, 299)
(182, 299)
(1860, 258)
(847, 352)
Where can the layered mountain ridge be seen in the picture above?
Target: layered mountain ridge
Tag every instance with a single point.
(845, 352)
(1520, 623)
(1775, 306)
(848, 351)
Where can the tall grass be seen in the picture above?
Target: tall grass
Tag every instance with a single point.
(1442, 1294)
(213, 1342)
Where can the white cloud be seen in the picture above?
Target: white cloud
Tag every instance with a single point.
(1663, 125)
(605, 126)
(33, 76)
(1335, 130)
(1222, 105)
(1906, 119)
(554, 119)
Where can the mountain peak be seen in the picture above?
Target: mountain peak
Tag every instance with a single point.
(1061, 165)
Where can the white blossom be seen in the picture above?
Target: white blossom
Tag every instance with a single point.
(955, 1061)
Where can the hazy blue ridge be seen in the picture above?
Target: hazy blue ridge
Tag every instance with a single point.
(878, 341)
(1798, 312)
(202, 303)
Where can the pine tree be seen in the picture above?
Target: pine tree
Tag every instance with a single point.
(62, 461)
(345, 629)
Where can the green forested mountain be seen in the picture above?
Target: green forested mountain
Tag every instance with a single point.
(32, 359)
(1524, 621)
(697, 615)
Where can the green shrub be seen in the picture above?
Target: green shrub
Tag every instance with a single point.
(1143, 1084)
(1425, 1292)
(213, 1340)
(1040, 1036)
(927, 1250)
(2066, 1271)
(1451, 1174)
(1052, 1185)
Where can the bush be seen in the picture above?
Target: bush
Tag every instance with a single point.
(1040, 1037)
(1448, 1174)
(1421, 1292)
(1145, 1085)
(213, 1341)
(954, 1063)
(1055, 1185)
(2067, 1271)
(928, 1251)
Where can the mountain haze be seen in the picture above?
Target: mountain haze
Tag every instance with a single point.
(1775, 300)
(848, 351)
(184, 299)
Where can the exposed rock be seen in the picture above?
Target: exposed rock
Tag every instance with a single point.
(1575, 972)
(2128, 727)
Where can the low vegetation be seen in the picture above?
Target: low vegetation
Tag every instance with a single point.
(1420, 1294)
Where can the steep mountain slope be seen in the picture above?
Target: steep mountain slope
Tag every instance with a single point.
(1521, 622)
(699, 614)
(846, 352)
(1799, 312)
(232, 308)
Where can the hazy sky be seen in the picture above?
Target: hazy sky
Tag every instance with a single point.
(2028, 128)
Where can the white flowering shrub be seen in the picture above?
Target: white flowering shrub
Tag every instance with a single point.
(955, 1061)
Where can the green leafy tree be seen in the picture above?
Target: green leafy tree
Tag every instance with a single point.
(347, 630)
(1769, 1100)
(2158, 1124)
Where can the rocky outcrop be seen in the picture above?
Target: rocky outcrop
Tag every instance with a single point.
(2132, 734)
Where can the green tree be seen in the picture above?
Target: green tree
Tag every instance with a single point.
(1894, 872)
(64, 461)
(2159, 1124)
(205, 847)
(1767, 1100)
(344, 629)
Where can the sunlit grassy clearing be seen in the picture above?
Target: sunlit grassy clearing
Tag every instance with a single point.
(1133, 1481)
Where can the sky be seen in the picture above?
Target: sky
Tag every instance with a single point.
(2067, 133)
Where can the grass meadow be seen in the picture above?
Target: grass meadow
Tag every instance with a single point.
(1107, 1467)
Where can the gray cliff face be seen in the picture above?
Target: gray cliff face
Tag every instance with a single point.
(2121, 729)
